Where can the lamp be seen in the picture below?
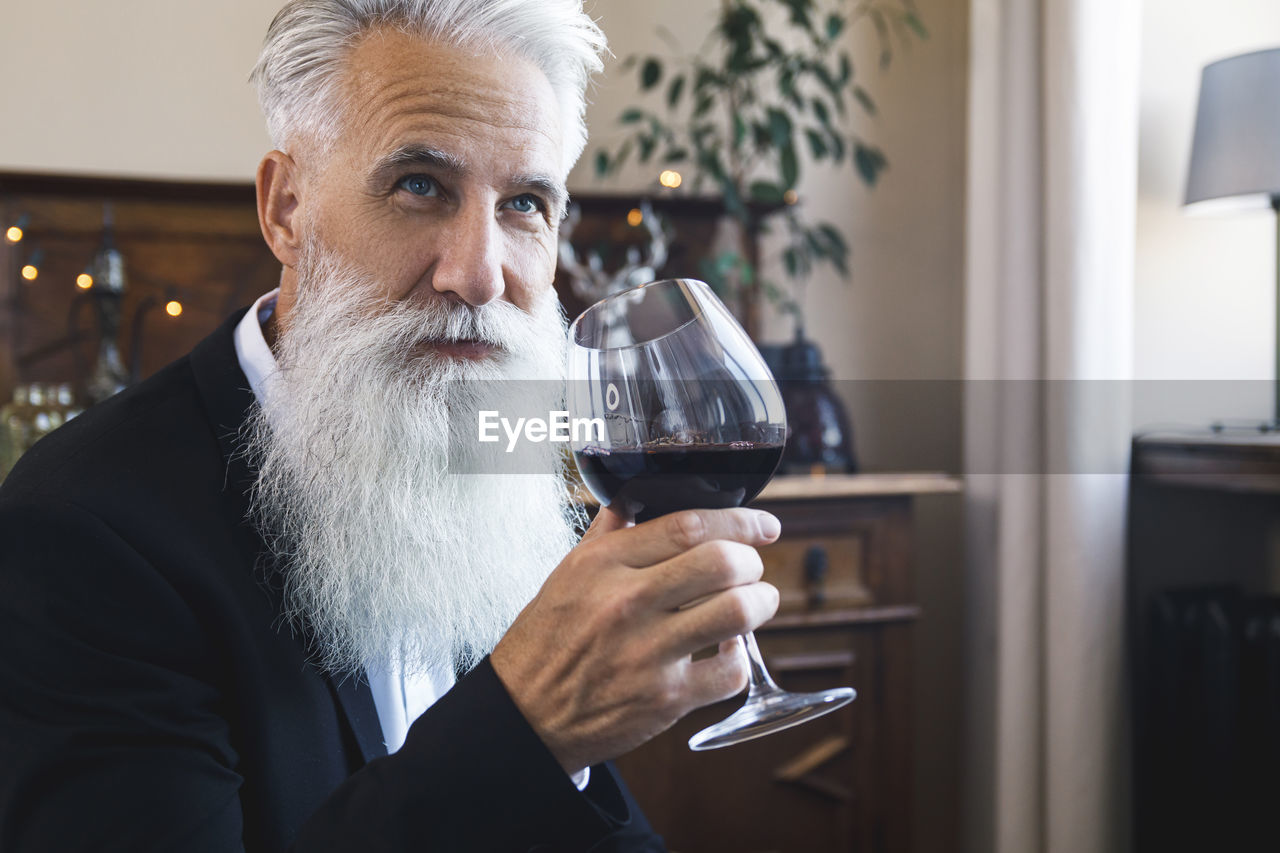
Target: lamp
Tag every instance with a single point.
(1235, 155)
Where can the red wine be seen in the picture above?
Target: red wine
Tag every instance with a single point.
(646, 482)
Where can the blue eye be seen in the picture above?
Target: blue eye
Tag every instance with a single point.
(419, 185)
(526, 204)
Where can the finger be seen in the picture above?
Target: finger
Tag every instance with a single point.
(606, 521)
(663, 538)
(718, 677)
(690, 578)
(721, 617)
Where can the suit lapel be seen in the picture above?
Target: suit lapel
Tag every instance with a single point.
(356, 700)
(228, 401)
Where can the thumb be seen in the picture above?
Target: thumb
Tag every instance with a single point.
(606, 521)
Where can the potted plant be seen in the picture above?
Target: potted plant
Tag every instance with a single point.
(774, 79)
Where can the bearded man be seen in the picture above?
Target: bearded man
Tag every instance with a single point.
(246, 606)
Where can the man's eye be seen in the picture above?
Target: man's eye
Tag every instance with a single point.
(419, 185)
(526, 203)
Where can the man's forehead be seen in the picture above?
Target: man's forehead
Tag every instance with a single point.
(401, 90)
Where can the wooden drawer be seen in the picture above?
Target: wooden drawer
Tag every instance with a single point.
(789, 565)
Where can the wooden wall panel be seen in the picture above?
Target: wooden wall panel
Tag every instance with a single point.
(201, 243)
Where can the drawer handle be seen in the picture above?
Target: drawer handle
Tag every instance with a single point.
(799, 770)
(816, 565)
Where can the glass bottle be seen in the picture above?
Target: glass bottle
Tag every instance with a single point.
(14, 428)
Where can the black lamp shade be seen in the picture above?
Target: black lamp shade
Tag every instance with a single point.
(1236, 150)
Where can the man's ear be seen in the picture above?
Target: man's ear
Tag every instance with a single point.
(279, 196)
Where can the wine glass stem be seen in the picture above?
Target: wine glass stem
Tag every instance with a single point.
(761, 684)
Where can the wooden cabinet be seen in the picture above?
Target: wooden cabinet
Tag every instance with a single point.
(1204, 640)
(842, 782)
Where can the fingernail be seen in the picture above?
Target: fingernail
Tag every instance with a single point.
(770, 527)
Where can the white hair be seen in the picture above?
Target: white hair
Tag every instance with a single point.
(309, 40)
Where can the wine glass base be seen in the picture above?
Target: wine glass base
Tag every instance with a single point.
(770, 713)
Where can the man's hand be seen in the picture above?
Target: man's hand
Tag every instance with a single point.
(600, 661)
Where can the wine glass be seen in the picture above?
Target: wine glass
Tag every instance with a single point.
(673, 408)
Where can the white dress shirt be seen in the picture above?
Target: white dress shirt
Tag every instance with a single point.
(399, 698)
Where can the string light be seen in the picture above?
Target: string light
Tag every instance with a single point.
(84, 281)
(634, 217)
(32, 267)
(14, 233)
(790, 197)
(173, 308)
(670, 179)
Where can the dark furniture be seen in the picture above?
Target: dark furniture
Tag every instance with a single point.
(1204, 639)
(843, 782)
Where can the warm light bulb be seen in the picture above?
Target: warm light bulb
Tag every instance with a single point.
(790, 197)
(29, 272)
(14, 234)
(84, 281)
(634, 217)
(173, 308)
(670, 178)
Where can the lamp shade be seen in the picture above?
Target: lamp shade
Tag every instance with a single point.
(1236, 150)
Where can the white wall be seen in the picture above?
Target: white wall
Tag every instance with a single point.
(149, 88)
(1205, 285)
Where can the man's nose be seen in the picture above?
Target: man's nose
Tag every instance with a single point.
(469, 259)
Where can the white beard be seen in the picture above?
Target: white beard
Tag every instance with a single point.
(389, 559)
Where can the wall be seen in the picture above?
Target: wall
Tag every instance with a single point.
(146, 88)
(1205, 284)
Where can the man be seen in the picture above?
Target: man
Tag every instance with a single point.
(234, 599)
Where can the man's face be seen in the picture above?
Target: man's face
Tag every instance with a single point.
(446, 179)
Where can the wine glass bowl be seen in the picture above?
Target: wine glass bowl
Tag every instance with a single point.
(682, 413)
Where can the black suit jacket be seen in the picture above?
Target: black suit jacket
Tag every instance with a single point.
(151, 697)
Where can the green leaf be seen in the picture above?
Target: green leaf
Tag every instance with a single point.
(631, 116)
(675, 90)
(760, 134)
(911, 20)
(870, 162)
(837, 147)
(779, 127)
(677, 155)
(647, 145)
(790, 167)
(835, 25)
(706, 78)
(765, 191)
(846, 69)
(704, 105)
(739, 131)
(817, 145)
(820, 110)
(800, 13)
(838, 249)
(602, 163)
(623, 153)
(828, 81)
(864, 97)
(650, 73)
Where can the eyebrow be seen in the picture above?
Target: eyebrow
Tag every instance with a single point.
(554, 191)
(389, 167)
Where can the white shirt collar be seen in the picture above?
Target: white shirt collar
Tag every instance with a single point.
(252, 351)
